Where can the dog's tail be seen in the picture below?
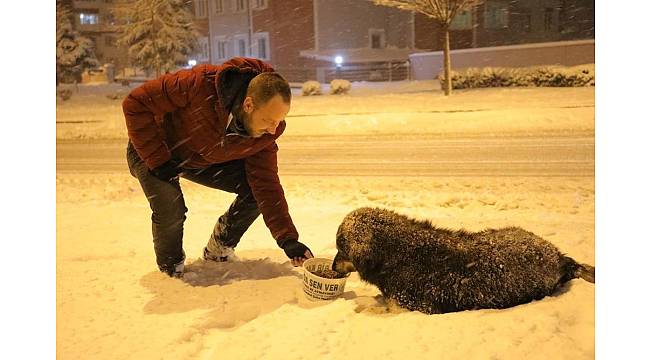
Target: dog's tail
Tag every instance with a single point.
(573, 269)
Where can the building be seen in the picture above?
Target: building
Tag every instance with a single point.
(357, 40)
(511, 22)
(313, 39)
(96, 20)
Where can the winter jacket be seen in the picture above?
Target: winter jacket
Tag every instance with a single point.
(185, 115)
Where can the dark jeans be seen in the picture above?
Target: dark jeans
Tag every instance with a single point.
(168, 206)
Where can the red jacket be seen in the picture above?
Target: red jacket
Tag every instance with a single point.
(186, 113)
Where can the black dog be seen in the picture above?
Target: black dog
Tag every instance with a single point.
(434, 270)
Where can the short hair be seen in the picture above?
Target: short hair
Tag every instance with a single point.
(266, 85)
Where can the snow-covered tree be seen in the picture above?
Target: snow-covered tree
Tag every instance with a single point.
(74, 53)
(443, 11)
(159, 33)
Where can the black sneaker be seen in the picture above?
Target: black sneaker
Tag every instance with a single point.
(175, 271)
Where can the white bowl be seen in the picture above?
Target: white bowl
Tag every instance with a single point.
(320, 288)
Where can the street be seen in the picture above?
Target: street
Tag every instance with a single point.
(385, 155)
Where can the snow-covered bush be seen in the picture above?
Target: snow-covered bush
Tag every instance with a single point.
(118, 95)
(311, 87)
(340, 86)
(552, 76)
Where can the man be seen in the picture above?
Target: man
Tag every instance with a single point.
(215, 125)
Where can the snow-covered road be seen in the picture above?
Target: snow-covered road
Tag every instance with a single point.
(486, 155)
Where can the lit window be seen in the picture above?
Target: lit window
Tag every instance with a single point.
(88, 19)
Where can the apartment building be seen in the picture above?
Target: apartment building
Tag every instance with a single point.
(303, 39)
(95, 19)
(510, 22)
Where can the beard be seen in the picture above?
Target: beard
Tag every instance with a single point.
(242, 119)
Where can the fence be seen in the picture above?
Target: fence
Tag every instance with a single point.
(428, 65)
(389, 71)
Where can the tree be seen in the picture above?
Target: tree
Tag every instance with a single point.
(443, 11)
(74, 53)
(159, 33)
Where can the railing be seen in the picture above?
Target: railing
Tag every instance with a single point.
(387, 71)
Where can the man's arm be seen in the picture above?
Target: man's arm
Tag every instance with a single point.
(262, 174)
(155, 98)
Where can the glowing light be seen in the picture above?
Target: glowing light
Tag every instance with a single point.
(338, 60)
(192, 62)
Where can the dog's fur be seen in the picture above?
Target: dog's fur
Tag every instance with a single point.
(435, 270)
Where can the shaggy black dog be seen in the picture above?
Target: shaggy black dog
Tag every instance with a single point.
(434, 270)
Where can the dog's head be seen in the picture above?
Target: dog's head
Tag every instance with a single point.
(353, 242)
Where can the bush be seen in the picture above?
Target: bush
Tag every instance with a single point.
(119, 94)
(340, 86)
(311, 87)
(551, 76)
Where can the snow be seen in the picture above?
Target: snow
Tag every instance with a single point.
(113, 303)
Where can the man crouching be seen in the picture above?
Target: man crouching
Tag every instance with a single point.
(214, 125)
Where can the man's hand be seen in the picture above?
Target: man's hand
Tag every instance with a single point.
(167, 171)
(296, 251)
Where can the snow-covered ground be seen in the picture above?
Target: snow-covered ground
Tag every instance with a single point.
(112, 303)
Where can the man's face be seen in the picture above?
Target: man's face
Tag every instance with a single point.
(264, 119)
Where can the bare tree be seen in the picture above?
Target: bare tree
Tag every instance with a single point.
(442, 11)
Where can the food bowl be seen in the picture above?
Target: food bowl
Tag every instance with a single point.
(318, 287)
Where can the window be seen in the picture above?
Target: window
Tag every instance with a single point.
(377, 38)
(548, 19)
(240, 5)
(221, 46)
(261, 47)
(241, 45)
(203, 47)
(496, 14)
(462, 21)
(201, 8)
(259, 4)
(218, 6)
(88, 19)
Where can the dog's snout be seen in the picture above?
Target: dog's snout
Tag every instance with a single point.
(342, 264)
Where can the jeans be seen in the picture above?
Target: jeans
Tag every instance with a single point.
(168, 206)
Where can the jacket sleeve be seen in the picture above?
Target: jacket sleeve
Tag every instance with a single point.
(262, 175)
(155, 98)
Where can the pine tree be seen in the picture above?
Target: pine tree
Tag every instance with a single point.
(74, 53)
(159, 33)
(442, 11)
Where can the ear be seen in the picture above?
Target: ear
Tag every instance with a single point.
(248, 104)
